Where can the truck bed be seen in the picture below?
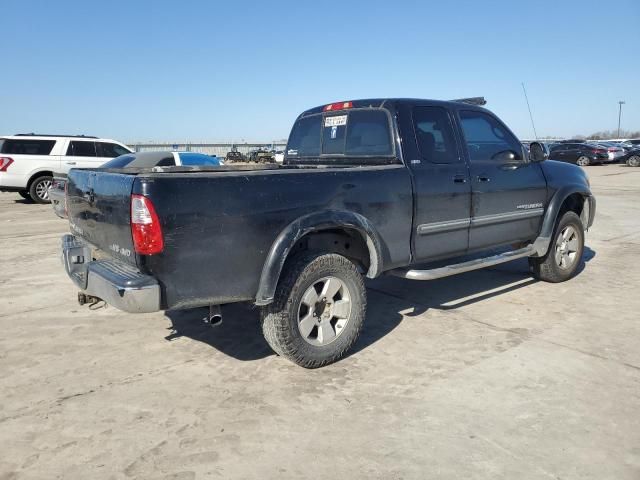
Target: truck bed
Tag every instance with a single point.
(219, 223)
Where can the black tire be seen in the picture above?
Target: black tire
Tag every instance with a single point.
(280, 318)
(25, 194)
(634, 161)
(548, 268)
(36, 189)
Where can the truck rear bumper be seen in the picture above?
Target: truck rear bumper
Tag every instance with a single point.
(118, 284)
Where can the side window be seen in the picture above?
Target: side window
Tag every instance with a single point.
(27, 147)
(487, 139)
(304, 140)
(434, 134)
(110, 150)
(81, 149)
(368, 133)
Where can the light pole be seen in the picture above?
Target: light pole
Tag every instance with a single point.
(620, 103)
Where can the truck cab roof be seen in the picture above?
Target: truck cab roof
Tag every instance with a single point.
(394, 103)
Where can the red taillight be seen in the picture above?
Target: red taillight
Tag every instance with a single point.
(337, 106)
(145, 226)
(599, 150)
(612, 149)
(4, 163)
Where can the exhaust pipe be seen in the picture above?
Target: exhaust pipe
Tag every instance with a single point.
(215, 316)
(84, 299)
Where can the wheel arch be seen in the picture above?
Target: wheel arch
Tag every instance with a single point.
(568, 198)
(323, 228)
(39, 173)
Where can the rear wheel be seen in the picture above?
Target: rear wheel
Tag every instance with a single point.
(634, 161)
(565, 251)
(318, 310)
(583, 161)
(39, 189)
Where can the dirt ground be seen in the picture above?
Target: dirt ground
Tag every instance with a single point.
(481, 376)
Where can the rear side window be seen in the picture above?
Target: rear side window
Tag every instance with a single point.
(28, 147)
(82, 149)
(110, 150)
(350, 133)
(434, 134)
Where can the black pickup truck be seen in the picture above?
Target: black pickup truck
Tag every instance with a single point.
(406, 187)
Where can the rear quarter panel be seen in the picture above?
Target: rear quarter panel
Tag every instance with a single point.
(218, 228)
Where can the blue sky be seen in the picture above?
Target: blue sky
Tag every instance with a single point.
(234, 70)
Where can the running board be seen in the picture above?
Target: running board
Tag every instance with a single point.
(476, 264)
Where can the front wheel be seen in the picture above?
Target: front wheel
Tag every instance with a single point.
(583, 161)
(318, 310)
(565, 251)
(39, 189)
(634, 161)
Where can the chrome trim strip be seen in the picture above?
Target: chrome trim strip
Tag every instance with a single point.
(438, 227)
(450, 225)
(506, 217)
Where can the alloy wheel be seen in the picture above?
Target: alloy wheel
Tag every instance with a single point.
(42, 189)
(567, 246)
(583, 161)
(324, 311)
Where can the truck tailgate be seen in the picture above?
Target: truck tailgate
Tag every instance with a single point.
(98, 205)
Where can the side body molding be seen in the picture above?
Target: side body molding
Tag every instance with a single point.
(541, 243)
(330, 219)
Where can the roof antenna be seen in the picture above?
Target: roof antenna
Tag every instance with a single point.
(530, 114)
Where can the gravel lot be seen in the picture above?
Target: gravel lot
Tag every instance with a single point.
(486, 375)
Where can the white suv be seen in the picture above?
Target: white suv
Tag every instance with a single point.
(28, 161)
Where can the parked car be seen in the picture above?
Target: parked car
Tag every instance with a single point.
(279, 156)
(132, 160)
(633, 141)
(582, 154)
(27, 161)
(615, 150)
(407, 183)
(234, 156)
(261, 155)
(632, 157)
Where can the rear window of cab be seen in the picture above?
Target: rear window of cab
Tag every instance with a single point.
(349, 133)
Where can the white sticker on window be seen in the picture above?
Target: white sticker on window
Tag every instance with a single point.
(338, 121)
(334, 132)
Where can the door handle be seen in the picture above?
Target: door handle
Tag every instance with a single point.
(459, 179)
(70, 163)
(483, 178)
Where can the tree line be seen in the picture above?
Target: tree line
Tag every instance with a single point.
(609, 134)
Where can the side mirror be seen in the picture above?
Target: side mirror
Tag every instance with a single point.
(506, 156)
(538, 152)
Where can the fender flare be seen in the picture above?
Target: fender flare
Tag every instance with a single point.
(325, 220)
(541, 243)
